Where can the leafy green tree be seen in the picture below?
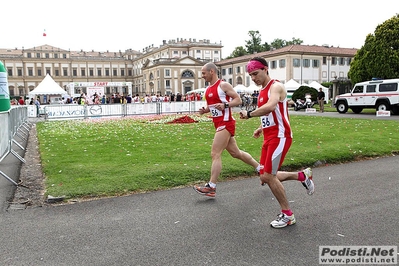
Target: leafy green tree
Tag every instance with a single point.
(302, 91)
(238, 51)
(327, 84)
(278, 43)
(254, 44)
(294, 41)
(379, 56)
(267, 47)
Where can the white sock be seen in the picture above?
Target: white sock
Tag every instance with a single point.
(258, 168)
(212, 185)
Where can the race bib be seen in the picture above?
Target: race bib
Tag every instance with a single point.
(215, 112)
(267, 121)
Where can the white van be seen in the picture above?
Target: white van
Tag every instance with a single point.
(381, 95)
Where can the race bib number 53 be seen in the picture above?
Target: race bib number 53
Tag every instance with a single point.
(267, 121)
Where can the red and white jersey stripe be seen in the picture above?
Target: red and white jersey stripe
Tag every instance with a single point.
(276, 124)
(214, 95)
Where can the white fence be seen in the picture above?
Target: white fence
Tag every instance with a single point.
(75, 111)
(13, 125)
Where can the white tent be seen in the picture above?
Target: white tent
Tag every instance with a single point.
(317, 86)
(292, 85)
(253, 87)
(48, 87)
(241, 89)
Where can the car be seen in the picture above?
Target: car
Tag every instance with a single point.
(381, 95)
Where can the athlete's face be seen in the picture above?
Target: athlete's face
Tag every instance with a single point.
(207, 75)
(258, 76)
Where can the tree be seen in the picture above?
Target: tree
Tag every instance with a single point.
(294, 41)
(254, 44)
(379, 56)
(266, 47)
(238, 51)
(278, 43)
(302, 91)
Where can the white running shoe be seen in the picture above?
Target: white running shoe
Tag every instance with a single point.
(308, 183)
(283, 220)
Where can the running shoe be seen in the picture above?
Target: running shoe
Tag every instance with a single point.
(308, 183)
(206, 190)
(283, 220)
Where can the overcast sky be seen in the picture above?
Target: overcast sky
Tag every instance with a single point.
(120, 24)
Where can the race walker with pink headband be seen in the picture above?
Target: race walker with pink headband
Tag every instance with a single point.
(254, 65)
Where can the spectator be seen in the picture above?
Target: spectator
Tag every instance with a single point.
(136, 98)
(320, 98)
(129, 99)
(21, 100)
(37, 103)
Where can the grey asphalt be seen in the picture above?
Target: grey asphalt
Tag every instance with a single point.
(354, 204)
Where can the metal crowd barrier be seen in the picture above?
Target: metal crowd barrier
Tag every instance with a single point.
(14, 126)
(75, 111)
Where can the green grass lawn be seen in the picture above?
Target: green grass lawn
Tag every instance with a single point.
(110, 157)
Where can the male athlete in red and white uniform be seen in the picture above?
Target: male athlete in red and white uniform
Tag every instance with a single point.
(222, 118)
(220, 98)
(276, 131)
(277, 138)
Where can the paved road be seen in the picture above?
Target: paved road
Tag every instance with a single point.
(354, 204)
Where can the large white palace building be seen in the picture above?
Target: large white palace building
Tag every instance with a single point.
(173, 67)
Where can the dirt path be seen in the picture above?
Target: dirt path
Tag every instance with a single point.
(31, 175)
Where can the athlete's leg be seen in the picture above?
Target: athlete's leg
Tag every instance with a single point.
(235, 152)
(220, 142)
(277, 189)
(273, 154)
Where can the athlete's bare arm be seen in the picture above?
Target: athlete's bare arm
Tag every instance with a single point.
(277, 94)
(228, 89)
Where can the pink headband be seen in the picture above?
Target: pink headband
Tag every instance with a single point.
(254, 65)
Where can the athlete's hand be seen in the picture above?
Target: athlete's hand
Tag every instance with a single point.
(220, 106)
(202, 111)
(243, 114)
(262, 181)
(257, 133)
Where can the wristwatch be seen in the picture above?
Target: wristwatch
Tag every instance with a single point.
(226, 105)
